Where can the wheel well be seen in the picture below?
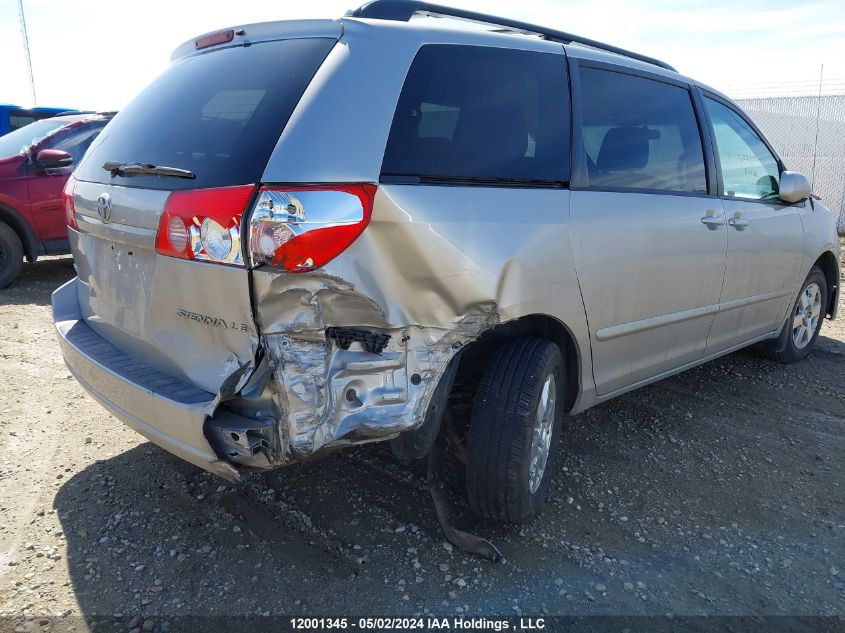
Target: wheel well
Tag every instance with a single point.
(31, 245)
(827, 262)
(475, 355)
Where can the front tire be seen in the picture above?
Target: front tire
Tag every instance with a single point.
(514, 428)
(11, 255)
(804, 321)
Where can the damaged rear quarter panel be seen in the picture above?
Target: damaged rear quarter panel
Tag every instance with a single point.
(436, 267)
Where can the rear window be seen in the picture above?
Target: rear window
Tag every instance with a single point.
(217, 114)
(481, 113)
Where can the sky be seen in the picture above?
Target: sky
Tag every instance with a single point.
(97, 54)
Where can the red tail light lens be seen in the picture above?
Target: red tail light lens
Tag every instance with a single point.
(67, 203)
(302, 228)
(204, 224)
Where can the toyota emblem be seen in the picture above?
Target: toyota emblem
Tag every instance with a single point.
(104, 207)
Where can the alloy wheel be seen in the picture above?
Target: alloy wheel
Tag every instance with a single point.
(541, 440)
(805, 320)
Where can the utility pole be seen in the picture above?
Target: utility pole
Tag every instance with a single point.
(818, 116)
(26, 49)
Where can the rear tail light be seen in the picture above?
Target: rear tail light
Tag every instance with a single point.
(204, 224)
(296, 228)
(67, 203)
(302, 228)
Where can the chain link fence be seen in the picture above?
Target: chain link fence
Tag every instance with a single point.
(805, 122)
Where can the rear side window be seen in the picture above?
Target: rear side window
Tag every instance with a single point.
(639, 134)
(217, 114)
(481, 113)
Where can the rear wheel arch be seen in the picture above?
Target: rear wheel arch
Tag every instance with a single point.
(32, 246)
(476, 354)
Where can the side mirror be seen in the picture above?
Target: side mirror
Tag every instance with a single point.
(49, 158)
(794, 187)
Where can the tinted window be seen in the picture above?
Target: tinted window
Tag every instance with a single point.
(749, 170)
(19, 117)
(640, 134)
(76, 140)
(15, 142)
(469, 112)
(217, 114)
(17, 121)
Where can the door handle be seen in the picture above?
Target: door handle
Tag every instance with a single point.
(713, 221)
(738, 223)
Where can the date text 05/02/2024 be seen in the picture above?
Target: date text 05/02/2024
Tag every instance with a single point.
(419, 624)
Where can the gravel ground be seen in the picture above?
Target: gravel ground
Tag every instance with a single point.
(719, 491)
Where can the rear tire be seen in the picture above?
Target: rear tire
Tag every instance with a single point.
(11, 255)
(514, 429)
(804, 322)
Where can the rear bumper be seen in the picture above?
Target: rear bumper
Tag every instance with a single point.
(166, 410)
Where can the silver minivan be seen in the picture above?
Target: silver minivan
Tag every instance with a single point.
(309, 235)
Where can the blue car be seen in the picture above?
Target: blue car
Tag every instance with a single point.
(13, 117)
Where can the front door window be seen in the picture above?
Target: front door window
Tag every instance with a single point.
(749, 170)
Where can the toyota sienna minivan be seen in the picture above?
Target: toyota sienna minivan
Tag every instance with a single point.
(308, 235)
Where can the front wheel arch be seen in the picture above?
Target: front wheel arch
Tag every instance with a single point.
(828, 265)
(782, 349)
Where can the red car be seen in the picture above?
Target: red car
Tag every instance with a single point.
(35, 162)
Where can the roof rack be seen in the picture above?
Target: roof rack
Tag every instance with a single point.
(403, 10)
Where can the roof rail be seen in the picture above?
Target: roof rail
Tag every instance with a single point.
(403, 10)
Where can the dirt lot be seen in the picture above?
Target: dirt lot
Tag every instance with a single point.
(719, 491)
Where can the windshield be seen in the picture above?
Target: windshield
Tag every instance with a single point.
(16, 142)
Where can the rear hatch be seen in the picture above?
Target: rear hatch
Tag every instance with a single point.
(213, 118)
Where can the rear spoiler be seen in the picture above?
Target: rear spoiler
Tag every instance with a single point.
(260, 32)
